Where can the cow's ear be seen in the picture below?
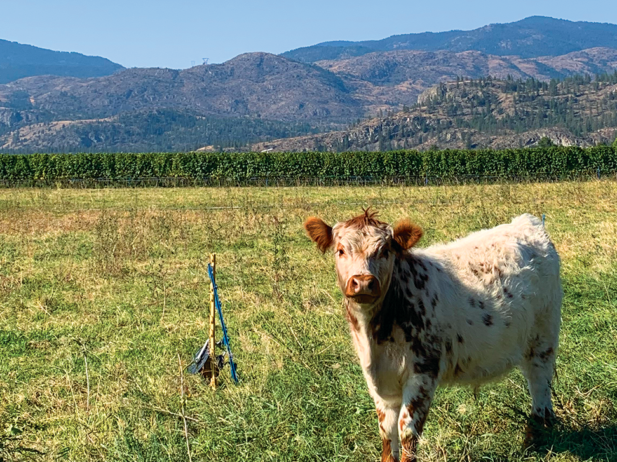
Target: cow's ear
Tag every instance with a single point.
(319, 232)
(406, 234)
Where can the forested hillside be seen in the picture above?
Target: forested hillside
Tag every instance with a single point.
(485, 112)
(148, 131)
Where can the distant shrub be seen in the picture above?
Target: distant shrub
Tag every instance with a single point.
(545, 142)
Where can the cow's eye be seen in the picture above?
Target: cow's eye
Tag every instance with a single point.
(340, 252)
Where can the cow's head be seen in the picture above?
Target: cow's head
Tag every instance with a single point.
(365, 249)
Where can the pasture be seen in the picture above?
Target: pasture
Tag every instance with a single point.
(104, 301)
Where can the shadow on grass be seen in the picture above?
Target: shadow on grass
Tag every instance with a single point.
(585, 443)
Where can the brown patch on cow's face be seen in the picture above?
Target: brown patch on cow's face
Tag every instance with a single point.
(366, 219)
(319, 232)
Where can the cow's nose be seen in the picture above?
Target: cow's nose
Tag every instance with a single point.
(364, 286)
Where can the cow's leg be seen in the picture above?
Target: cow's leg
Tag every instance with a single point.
(388, 418)
(538, 367)
(417, 396)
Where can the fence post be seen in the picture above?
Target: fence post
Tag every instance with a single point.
(212, 324)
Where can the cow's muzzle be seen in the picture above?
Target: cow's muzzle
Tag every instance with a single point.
(363, 288)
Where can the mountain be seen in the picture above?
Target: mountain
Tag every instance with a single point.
(18, 61)
(259, 85)
(531, 37)
(485, 113)
(251, 98)
(392, 79)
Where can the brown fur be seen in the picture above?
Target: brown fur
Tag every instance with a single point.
(353, 321)
(319, 232)
(386, 454)
(407, 234)
(367, 219)
(409, 445)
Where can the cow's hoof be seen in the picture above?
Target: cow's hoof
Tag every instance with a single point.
(537, 428)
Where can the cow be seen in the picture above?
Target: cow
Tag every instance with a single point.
(460, 313)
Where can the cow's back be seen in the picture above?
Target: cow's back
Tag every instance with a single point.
(499, 289)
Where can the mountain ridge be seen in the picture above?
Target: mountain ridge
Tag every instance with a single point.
(528, 38)
(19, 60)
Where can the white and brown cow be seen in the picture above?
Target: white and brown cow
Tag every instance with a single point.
(460, 313)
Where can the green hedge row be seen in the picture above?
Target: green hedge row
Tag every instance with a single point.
(554, 161)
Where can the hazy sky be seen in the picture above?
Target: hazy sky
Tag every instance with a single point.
(175, 33)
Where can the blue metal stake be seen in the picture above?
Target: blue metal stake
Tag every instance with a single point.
(217, 302)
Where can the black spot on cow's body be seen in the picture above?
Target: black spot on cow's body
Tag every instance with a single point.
(448, 346)
(530, 354)
(400, 309)
(545, 355)
(428, 362)
(508, 322)
(396, 309)
(481, 304)
(470, 322)
(459, 338)
(472, 302)
(487, 319)
(421, 306)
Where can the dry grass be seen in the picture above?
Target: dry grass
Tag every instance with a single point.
(101, 290)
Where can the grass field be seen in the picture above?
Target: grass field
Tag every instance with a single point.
(104, 300)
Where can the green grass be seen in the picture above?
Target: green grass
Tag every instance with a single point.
(102, 290)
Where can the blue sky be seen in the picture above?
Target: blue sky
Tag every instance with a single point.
(176, 33)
